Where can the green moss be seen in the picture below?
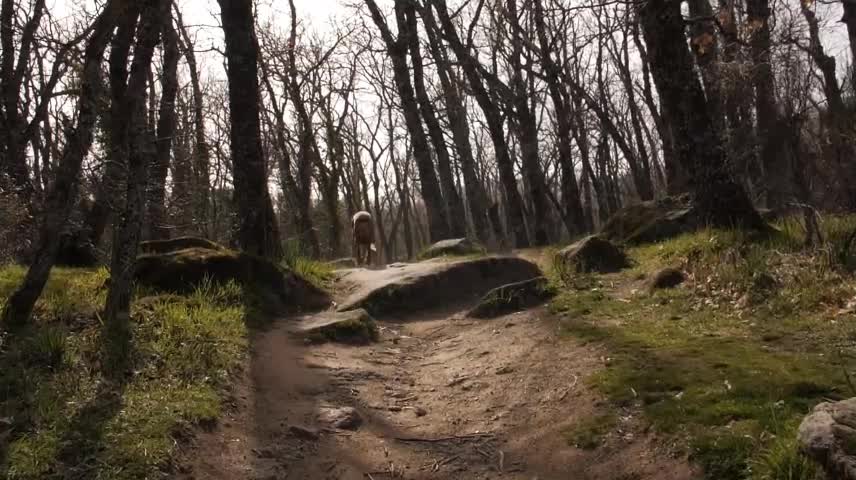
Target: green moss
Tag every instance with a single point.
(730, 379)
(590, 432)
(68, 418)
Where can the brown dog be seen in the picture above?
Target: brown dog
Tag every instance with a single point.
(363, 238)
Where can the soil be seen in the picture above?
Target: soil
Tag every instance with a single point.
(440, 396)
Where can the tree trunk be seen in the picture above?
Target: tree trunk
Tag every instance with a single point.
(721, 201)
(494, 119)
(109, 192)
(257, 231)
(138, 141)
(60, 199)
(156, 220)
(438, 221)
(454, 204)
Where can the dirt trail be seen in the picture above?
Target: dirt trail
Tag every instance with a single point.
(441, 397)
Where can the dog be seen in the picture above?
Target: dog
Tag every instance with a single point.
(363, 233)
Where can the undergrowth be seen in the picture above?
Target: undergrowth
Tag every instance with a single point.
(731, 361)
(61, 418)
(295, 259)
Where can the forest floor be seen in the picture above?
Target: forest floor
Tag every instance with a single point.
(441, 396)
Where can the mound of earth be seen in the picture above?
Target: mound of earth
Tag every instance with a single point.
(175, 244)
(652, 221)
(183, 270)
(453, 246)
(512, 298)
(355, 327)
(591, 254)
(421, 286)
(828, 435)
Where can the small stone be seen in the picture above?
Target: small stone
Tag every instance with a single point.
(303, 433)
(420, 412)
(344, 418)
(504, 370)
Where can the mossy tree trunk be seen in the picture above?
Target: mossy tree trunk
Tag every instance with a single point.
(60, 199)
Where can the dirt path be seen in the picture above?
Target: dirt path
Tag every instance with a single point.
(440, 397)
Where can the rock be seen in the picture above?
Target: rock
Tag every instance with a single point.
(825, 436)
(176, 244)
(354, 326)
(343, 418)
(343, 263)
(652, 221)
(666, 278)
(426, 285)
(453, 246)
(420, 412)
(303, 433)
(513, 297)
(591, 254)
(183, 270)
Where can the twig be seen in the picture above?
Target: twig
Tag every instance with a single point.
(501, 460)
(441, 439)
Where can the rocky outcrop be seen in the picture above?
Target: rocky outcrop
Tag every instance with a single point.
(652, 221)
(453, 246)
(354, 327)
(591, 254)
(512, 298)
(828, 435)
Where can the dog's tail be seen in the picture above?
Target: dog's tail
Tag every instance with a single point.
(372, 247)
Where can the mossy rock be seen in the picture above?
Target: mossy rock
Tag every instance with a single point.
(512, 298)
(652, 221)
(175, 244)
(592, 254)
(181, 271)
(454, 247)
(353, 327)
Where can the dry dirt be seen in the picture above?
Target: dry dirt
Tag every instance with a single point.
(440, 396)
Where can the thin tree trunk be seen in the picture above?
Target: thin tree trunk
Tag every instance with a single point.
(165, 133)
(138, 142)
(60, 198)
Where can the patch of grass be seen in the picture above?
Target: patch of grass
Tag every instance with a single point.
(69, 420)
(732, 378)
(318, 273)
(590, 432)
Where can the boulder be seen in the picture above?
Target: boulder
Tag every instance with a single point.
(181, 271)
(354, 326)
(343, 418)
(652, 221)
(666, 278)
(591, 254)
(175, 244)
(427, 285)
(453, 246)
(828, 435)
(512, 297)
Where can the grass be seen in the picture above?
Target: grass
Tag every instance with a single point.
(590, 432)
(63, 420)
(318, 273)
(733, 360)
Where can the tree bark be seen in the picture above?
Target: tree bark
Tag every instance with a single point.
(438, 221)
(60, 199)
(720, 200)
(257, 231)
(137, 141)
(158, 230)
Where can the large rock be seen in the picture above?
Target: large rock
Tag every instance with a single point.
(181, 271)
(426, 285)
(828, 435)
(175, 244)
(591, 254)
(355, 326)
(453, 246)
(652, 221)
(513, 297)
